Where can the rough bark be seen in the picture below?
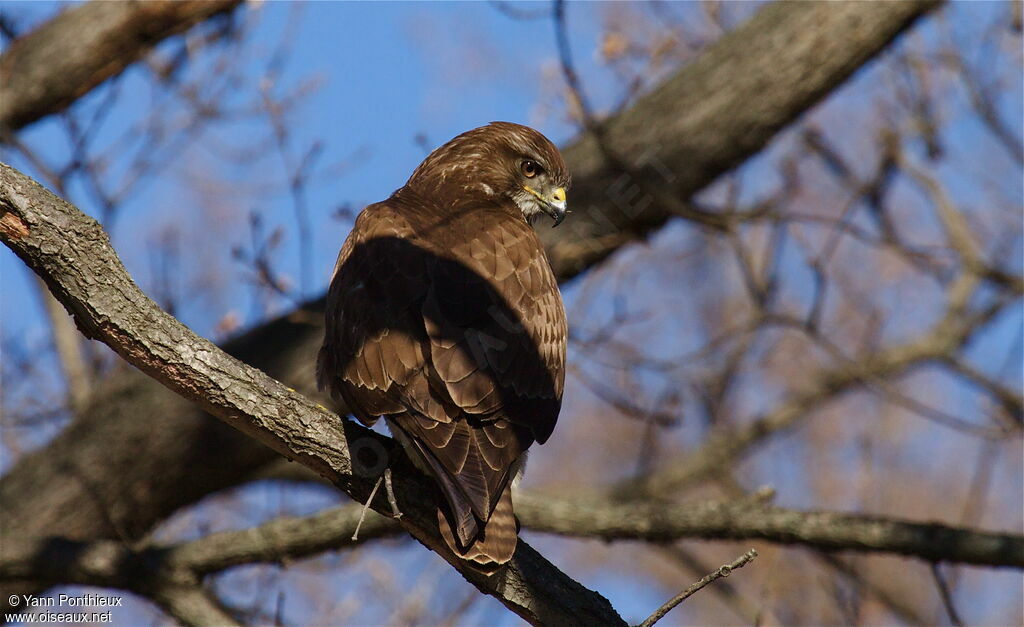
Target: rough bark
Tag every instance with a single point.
(48, 69)
(700, 122)
(70, 251)
(829, 531)
(111, 563)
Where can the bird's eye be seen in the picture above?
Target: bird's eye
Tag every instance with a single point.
(530, 169)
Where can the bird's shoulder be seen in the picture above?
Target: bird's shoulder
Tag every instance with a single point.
(440, 312)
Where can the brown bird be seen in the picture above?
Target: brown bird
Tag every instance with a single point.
(444, 317)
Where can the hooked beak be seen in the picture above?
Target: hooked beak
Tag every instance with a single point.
(553, 205)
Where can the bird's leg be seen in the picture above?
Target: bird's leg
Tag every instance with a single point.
(366, 506)
(391, 493)
(386, 478)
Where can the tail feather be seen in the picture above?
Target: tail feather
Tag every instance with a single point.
(495, 544)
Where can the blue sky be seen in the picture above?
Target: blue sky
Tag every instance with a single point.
(387, 73)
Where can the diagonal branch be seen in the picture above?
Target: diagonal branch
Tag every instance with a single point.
(714, 113)
(70, 251)
(45, 71)
(723, 571)
(181, 456)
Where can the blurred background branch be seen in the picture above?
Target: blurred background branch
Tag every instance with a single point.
(794, 259)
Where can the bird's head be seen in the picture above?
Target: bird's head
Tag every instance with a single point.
(500, 161)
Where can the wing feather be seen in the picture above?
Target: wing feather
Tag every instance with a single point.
(456, 332)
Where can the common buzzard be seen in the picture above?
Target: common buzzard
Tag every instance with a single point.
(444, 317)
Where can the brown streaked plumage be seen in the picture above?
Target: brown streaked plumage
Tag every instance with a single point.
(444, 317)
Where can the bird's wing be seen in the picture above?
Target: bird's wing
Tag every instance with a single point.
(456, 331)
(473, 463)
(496, 323)
(376, 352)
(497, 344)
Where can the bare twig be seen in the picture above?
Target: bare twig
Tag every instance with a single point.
(72, 253)
(703, 161)
(724, 571)
(747, 611)
(984, 104)
(618, 208)
(945, 595)
(68, 344)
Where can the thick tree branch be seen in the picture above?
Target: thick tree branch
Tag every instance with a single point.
(72, 254)
(51, 67)
(282, 538)
(832, 531)
(713, 114)
(178, 454)
(111, 563)
(605, 516)
(171, 574)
